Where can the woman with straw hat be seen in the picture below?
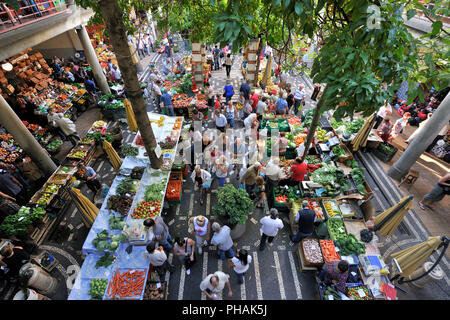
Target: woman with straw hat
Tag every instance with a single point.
(200, 226)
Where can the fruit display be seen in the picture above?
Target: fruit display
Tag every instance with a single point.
(159, 122)
(44, 199)
(315, 206)
(147, 209)
(77, 155)
(52, 188)
(120, 203)
(359, 293)
(329, 251)
(322, 135)
(5, 137)
(87, 140)
(99, 124)
(139, 141)
(97, 288)
(59, 178)
(181, 100)
(152, 292)
(332, 208)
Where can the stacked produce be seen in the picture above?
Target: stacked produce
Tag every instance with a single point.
(98, 287)
(311, 250)
(127, 186)
(18, 224)
(329, 251)
(331, 294)
(116, 223)
(155, 191)
(336, 228)
(322, 135)
(52, 188)
(44, 199)
(315, 206)
(147, 209)
(120, 203)
(332, 208)
(104, 241)
(359, 293)
(350, 245)
(128, 284)
(357, 175)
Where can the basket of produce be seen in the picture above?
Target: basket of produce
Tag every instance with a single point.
(283, 125)
(45, 199)
(147, 209)
(173, 191)
(280, 196)
(97, 288)
(127, 284)
(336, 228)
(329, 251)
(330, 293)
(385, 152)
(46, 261)
(332, 208)
(359, 293)
(342, 153)
(51, 187)
(312, 253)
(322, 135)
(153, 292)
(54, 146)
(59, 178)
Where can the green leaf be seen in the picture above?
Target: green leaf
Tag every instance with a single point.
(286, 3)
(411, 13)
(276, 3)
(364, 56)
(437, 25)
(298, 8)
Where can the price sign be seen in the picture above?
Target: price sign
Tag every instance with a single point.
(361, 293)
(313, 247)
(158, 285)
(330, 297)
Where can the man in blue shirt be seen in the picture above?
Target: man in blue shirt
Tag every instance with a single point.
(90, 86)
(229, 92)
(90, 176)
(245, 90)
(281, 104)
(220, 120)
(166, 98)
(216, 54)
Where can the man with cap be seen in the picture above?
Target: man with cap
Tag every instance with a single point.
(305, 219)
(270, 226)
(201, 229)
(222, 240)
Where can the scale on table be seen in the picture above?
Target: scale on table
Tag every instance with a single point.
(324, 147)
(333, 141)
(370, 264)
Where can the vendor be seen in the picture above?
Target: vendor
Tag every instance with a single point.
(68, 128)
(298, 169)
(249, 178)
(13, 257)
(12, 187)
(335, 272)
(30, 171)
(90, 176)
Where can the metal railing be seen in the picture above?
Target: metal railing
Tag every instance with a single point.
(30, 11)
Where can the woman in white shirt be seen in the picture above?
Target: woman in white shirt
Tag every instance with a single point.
(221, 168)
(199, 177)
(241, 263)
(382, 112)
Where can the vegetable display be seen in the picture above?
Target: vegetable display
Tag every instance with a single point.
(357, 175)
(129, 151)
(331, 292)
(97, 289)
(332, 208)
(336, 228)
(18, 224)
(78, 155)
(127, 185)
(105, 261)
(311, 249)
(52, 188)
(137, 172)
(359, 293)
(329, 251)
(350, 245)
(328, 174)
(103, 241)
(54, 144)
(147, 209)
(43, 200)
(116, 223)
(152, 292)
(120, 203)
(155, 192)
(127, 284)
(339, 152)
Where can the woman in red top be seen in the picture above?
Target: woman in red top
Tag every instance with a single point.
(298, 170)
(254, 99)
(218, 103)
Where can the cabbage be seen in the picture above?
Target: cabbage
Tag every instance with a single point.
(115, 237)
(103, 245)
(114, 245)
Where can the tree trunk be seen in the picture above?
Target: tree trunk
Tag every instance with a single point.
(314, 124)
(113, 20)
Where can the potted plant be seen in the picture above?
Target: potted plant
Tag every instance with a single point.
(233, 204)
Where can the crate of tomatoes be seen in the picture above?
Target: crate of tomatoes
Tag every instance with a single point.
(147, 209)
(173, 191)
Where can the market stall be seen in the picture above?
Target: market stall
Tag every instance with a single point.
(115, 245)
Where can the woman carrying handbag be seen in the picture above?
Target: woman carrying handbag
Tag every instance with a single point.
(184, 250)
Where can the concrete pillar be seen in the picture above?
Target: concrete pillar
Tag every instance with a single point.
(12, 123)
(423, 139)
(197, 68)
(93, 60)
(252, 76)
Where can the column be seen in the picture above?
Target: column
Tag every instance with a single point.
(93, 60)
(16, 128)
(197, 68)
(252, 76)
(439, 119)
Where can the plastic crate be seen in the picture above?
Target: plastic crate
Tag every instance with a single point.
(176, 176)
(385, 157)
(278, 204)
(170, 186)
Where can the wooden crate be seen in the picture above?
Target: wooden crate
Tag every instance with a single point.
(48, 268)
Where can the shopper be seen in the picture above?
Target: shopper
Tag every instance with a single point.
(273, 175)
(260, 192)
(221, 169)
(299, 98)
(400, 124)
(335, 272)
(245, 90)
(261, 106)
(249, 178)
(218, 102)
(184, 250)
(158, 259)
(228, 91)
(385, 131)
(8, 206)
(270, 226)
(305, 219)
(230, 113)
(316, 91)
(216, 55)
(222, 240)
(160, 232)
(382, 112)
(281, 104)
(166, 98)
(13, 258)
(228, 63)
(201, 227)
(210, 92)
(117, 74)
(239, 152)
(11, 186)
(254, 97)
(88, 174)
(241, 263)
(220, 121)
(437, 193)
(298, 169)
(249, 121)
(201, 179)
(157, 93)
(166, 69)
(214, 284)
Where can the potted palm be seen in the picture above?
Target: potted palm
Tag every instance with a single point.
(233, 205)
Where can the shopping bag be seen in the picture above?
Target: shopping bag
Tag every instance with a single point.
(241, 186)
(207, 184)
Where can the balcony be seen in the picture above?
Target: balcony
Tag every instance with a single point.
(30, 11)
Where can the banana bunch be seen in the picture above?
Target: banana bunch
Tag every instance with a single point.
(322, 135)
(329, 209)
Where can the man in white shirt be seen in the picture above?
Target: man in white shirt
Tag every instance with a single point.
(214, 284)
(220, 121)
(299, 97)
(270, 226)
(222, 240)
(382, 113)
(117, 73)
(249, 120)
(158, 259)
(261, 106)
(273, 174)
